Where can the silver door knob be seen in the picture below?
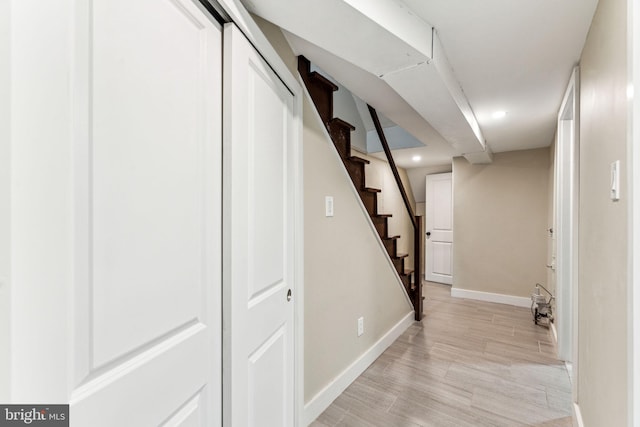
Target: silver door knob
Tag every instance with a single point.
(289, 295)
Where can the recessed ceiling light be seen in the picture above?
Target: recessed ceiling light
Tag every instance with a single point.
(416, 158)
(499, 114)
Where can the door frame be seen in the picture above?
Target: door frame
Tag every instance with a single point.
(633, 180)
(566, 205)
(5, 201)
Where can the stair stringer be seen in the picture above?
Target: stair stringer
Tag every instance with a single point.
(327, 139)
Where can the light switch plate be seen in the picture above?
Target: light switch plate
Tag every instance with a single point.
(615, 180)
(360, 326)
(328, 206)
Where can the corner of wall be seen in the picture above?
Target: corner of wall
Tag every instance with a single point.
(501, 210)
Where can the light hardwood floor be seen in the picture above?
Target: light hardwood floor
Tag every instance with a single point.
(468, 363)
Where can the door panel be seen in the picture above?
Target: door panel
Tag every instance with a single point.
(268, 381)
(441, 258)
(439, 226)
(258, 243)
(148, 215)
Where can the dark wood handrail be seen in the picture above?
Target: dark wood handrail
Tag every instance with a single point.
(415, 220)
(392, 163)
(417, 262)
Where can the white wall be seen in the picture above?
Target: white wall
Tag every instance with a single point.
(603, 230)
(5, 199)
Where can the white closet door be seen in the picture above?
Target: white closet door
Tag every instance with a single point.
(141, 333)
(259, 288)
(148, 277)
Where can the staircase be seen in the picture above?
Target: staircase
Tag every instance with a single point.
(321, 90)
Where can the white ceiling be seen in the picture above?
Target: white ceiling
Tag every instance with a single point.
(508, 55)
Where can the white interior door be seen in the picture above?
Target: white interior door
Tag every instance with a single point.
(258, 266)
(137, 219)
(439, 228)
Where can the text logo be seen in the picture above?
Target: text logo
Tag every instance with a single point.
(34, 415)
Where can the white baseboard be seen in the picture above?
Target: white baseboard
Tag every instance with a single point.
(491, 297)
(577, 416)
(327, 395)
(554, 331)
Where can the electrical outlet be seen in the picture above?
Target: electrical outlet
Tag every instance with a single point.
(360, 326)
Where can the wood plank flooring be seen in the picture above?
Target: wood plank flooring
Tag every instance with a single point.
(468, 363)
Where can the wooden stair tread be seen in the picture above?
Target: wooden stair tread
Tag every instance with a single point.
(342, 123)
(323, 80)
(321, 90)
(371, 190)
(359, 160)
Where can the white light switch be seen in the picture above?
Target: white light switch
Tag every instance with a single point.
(360, 326)
(328, 206)
(615, 180)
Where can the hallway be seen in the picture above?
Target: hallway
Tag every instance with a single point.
(468, 363)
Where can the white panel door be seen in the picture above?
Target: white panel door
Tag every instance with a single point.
(147, 173)
(258, 261)
(439, 228)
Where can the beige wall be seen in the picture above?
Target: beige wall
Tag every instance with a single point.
(5, 170)
(500, 222)
(603, 231)
(379, 175)
(347, 272)
(417, 177)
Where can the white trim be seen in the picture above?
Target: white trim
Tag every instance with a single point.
(299, 262)
(566, 219)
(569, 367)
(491, 297)
(327, 395)
(247, 26)
(554, 332)
(577, 416)
(633, 182)
(5, 201)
